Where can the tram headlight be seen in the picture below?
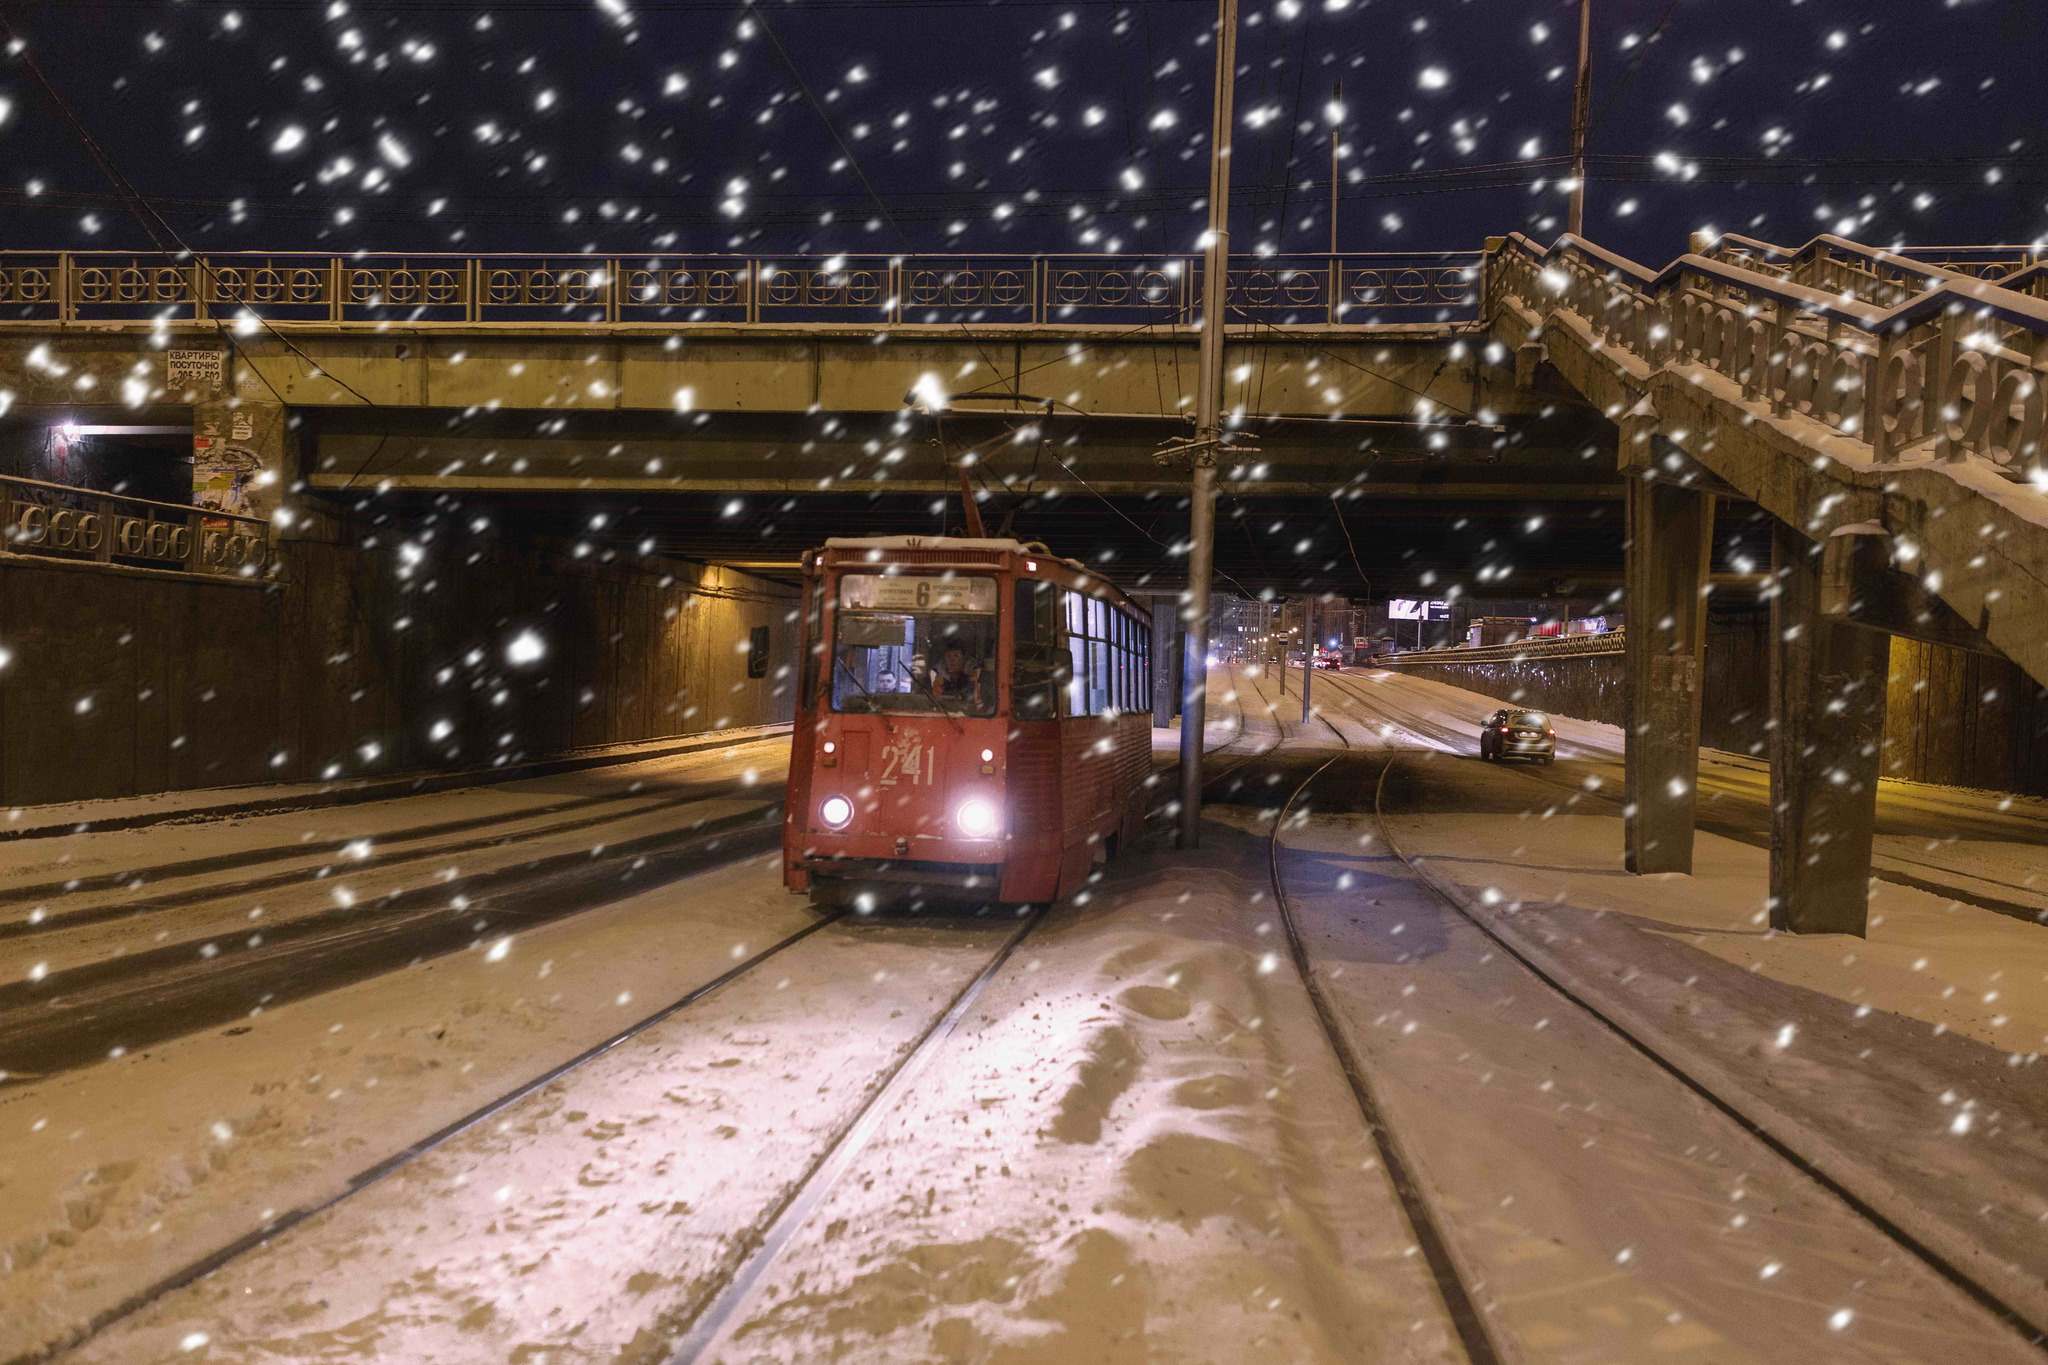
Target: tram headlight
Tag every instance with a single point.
(836, 811)
(976, 818)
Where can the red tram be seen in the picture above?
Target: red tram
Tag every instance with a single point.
(972, 722)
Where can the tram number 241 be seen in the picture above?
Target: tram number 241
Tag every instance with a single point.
(911, 763)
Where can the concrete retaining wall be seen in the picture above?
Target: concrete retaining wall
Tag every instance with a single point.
(1734, 704)
(1952, 718)
(123, 682)
(1965, 720)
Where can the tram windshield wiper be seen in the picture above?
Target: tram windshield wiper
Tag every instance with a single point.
(874, 707)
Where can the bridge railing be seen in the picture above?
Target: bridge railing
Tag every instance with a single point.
(1536, 647)
(1840, 266)
(369, 290)
(1957, 372)
(63, 522)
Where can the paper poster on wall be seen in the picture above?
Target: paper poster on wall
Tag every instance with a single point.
(223, 476)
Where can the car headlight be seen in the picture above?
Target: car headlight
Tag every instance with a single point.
(976, 818)
(836, 811)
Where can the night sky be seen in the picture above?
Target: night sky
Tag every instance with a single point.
(681, 126)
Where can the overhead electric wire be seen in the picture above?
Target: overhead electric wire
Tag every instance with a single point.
(153, 223)
(515, 8)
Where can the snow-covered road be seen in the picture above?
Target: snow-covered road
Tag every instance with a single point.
(1145, 1138)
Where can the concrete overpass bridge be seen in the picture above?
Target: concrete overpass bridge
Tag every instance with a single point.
(655, 392)
(1866, 425)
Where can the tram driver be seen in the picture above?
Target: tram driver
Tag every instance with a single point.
(956, 675)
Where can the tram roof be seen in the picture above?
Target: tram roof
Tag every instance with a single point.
(926, 543)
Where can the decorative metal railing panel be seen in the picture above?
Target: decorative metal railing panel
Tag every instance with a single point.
(372, 290)
(1992, 263)
(63, 522)
(1957, 372)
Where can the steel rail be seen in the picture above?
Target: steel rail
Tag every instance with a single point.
(1439, 1252)
(718, 1306)
(366, 791)
(804, 1198)
(2035, 1333)
(371, 1175)
(715, 1312)
(651, 801)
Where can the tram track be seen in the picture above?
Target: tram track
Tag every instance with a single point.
(716, 1307)
(719, 1308)
(1439, 1251)
(122, 1004)
(278, 1224)
(342, 856)
(1483, 1342)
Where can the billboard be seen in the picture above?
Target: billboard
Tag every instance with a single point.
(1405, 609)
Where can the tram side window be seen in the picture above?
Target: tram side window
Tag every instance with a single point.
(1112, 672)
(1101, 676)
(814, 643)
(1041, 666)
(1124, 701)
(1074, 622)
(1121, 662)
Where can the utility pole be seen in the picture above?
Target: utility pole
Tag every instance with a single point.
(1308, 653)
(1208, 430)
(1582, 115)
(1334, 112)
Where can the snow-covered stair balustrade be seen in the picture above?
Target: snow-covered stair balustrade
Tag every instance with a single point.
(1887, 410)
(1846, 390)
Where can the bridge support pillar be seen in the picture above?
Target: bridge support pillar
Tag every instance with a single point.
(1166, 662)
(1670, 531)
(238, 455)
(1827, 707)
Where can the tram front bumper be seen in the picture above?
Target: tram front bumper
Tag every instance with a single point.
(977, 877)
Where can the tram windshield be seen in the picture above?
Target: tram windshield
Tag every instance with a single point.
(908, 642)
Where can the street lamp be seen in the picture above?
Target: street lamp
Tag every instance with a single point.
(1333, 114)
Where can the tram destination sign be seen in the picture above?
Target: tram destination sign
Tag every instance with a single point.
(916, 593)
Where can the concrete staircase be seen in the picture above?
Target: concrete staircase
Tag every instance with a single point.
(1890, 411)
